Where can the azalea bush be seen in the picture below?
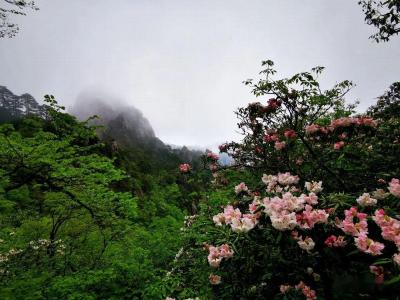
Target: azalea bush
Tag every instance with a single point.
(310, 210)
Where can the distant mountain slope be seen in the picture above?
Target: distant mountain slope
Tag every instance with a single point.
(125, 124)
(13, 107)
(127, 128)
(124, 129)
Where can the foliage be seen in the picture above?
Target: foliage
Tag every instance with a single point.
(72, 224)
(384, 15)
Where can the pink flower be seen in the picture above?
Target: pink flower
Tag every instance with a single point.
(244, 224)
(309, 217)
(311, 199)
(267, 138)
(241, 187)
(212, 156)
(368, 246)
(231, 214)
(343, 122)
(287, 179)
(394, 187)
(284, 288)
(348, 226)
(214, 279)
(184, 168)
(378, 271)
(258, 149)
(216, 254)
(275, 137)
(253, 206)
(311, 129)
(225, 251)
(390, 227)
(223, 147)
(280, 145)
(334, 241)
(306, 290)
(367, 122)
(214, 258)
(273, 104)
(290, 134)
(213, 167)
(338, 145)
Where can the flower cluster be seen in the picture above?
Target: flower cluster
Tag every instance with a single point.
(212, 156)
(274, 137)
(309, 293)
(280, 182)
(338, 145)
(306, 244)
(290, 133)
(12, 252)
(394, 187)
(310, 216)
(390, 227)
(340, 123)
(217, 254)
(184, 168)
(334, 241)
(314, 186)
(355, 224)
(288, 211)
(239, 222)
(223, 147)
(378, 271)
(214, 279)
(348, 121)
(241, 187)
(368, 246)
(366, 200)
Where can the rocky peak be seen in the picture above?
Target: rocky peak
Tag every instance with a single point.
(13, 107)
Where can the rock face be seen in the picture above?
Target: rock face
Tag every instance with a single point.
(126, 127)
(125, 124)
(13, 107)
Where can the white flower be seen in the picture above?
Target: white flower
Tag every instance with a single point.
(284, 221)
(314, 187)
(242, 225)
(219, 219)
(380, 194)
(306, 244)
(366, 200)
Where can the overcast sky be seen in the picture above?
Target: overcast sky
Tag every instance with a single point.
(182, 62)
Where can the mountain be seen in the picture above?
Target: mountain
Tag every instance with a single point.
(124, 124)
(123, 128)
(126, 128)
(13, 107)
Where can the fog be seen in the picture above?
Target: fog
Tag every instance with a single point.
(182, 63)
